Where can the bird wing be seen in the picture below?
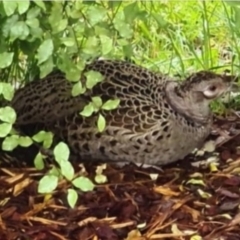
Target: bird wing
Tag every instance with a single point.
(49, 99)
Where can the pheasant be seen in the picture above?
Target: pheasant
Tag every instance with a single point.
(158, 121)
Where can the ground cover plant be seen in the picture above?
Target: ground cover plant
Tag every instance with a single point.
(76, 201)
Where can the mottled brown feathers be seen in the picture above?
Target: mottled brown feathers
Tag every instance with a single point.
(158, 120)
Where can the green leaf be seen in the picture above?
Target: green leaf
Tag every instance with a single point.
(67, 170)
(61, 152)
(62, 24)
(106, 43)
(38, 162)
(91, 46)
(162, 23)
(101, 123)
(123, 28)
(72, 197)
(100, 178)
(9, 7)
(19, 31)
(10, 142)
(232, 3)
(131, 11)
(97, 102)
(45, 50)
(45, 137)
(77, 89)
(56, 172)
(72, 74)
(46, 67)
(96, 14)
(25, 141)
(88, 110)
(8, 114)
(40, 3)
(7, 90)
(33, 23)
(93, 78)
(68, 42)
(47, 184)
(6, 59)
(111, 104)
(5, 129)
(83, 183)
(48, 140)
(23, 6)
(33, 13)
(10, 22)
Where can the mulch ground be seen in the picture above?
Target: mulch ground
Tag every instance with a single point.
(197, 198)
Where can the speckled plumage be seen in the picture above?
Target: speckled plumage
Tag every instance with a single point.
(158, 120)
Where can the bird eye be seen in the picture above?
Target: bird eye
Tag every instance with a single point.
(213, 88)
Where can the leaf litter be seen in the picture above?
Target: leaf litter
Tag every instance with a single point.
(190, 199)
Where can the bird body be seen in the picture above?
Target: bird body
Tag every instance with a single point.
(158, 120)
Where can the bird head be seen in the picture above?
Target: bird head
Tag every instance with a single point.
(206, 85)
(192, 97)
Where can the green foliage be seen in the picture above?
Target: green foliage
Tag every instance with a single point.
(48, 184)
(6, 90)
(72, 197)
(83, 183)
(44, 137)
(38, 161)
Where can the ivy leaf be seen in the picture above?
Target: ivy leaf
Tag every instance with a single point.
(10, 142)
(23, 6)
(9, 7)
(88, 110)
(47, 184)
(5, 129)
(25, 141)
(67, 170)
(93, 78)
(45, 50)
(61, 152)
(72, 197)
(101, 123)
(6, 59)
(97, 102)
(111, 104)
(83, 183)
(38, 162)
(8, 115)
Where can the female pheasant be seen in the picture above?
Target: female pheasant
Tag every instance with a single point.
(158, 121)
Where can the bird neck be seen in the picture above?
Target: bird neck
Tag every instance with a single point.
(191, 105)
